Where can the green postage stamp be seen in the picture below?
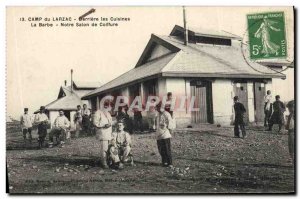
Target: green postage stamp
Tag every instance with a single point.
(267, 35)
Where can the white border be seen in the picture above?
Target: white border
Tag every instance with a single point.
(104, 3)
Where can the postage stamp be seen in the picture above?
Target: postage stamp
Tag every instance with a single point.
(267, 35)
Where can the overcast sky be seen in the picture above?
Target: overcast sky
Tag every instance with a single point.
(40, 59)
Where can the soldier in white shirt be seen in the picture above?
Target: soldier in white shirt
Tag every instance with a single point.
(268, 108)
(26, 124)
(103, 123)
(60, 126)
(41, 119)
(78, 121)
(121, 145)
(163, 135)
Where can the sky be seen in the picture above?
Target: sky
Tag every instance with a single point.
(39, 59)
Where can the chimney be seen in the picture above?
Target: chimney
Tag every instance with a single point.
(65, 82)
(185, 28)
(71, 80)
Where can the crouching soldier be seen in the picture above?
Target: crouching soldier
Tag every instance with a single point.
(41, 119)
(120, 146)
(60, 126)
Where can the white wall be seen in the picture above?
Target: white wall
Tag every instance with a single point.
(178, 87)
(72, 113)
(222, 94)
(284, 88)
(158, 51)
(250, 91)
(162, 90)
(52, 116)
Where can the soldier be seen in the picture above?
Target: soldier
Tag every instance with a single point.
(78, 121)
(103, 123)
(151, 116)
(138, 120)
(277, 116)
(163, 136)
(42, 120)
(268, 108)
(239, 111)
(26, 124)
(86, 120)
(60, 126)
(291, 128)
(121, 145)
(169, 103)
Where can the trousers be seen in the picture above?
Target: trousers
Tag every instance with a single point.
(103, 151)
(164, 149)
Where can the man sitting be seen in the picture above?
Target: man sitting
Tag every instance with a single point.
(60, 126)
(120, 146)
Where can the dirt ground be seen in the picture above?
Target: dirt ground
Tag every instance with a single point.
(207, 159)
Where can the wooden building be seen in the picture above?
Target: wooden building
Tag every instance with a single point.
(212, 67)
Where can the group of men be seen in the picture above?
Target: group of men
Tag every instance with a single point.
(82, 121)
(115, 146)
(274, 111)
(274, 114)
(60, 128)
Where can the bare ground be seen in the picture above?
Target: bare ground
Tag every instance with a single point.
(207, 159)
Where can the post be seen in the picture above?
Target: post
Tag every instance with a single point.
(71, 80)
(185, 28)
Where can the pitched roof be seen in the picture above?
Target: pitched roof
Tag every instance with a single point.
(147, 70)
(204, 32)
(193, 60)
(68, 102)
(204, 60)
(86, 84)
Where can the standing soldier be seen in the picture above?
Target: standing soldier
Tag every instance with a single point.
(268, 108)
(138, 120)
(78, 121)
(291, 128)
(151, 115)
(42, 120)
(277, 116)
(239, 111)
(169, 103)
(163, 136)
(103, 122)
(26, 124)
(86, 120)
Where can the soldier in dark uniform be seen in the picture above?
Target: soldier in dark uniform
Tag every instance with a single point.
(122, 115)
(291, 129)
(239, 110)
(41, 119)
(277, 115)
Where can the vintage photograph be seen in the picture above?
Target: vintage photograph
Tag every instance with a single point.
(150, 100)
